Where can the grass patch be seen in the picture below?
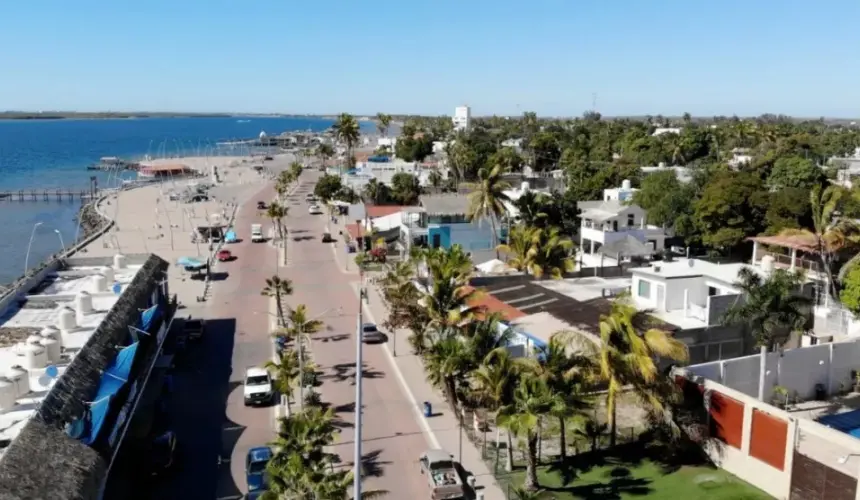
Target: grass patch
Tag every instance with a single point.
(634, 472)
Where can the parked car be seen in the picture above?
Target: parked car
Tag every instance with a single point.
(255, 468)
(261, 205)
(371, 334)
(258, 387)
(163, 453)
(224, 255)
(314, 210)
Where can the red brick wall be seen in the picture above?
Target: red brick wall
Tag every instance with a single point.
(727, 419)
(769, 438)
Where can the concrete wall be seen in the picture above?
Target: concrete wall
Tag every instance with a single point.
(719, 304)
(471, 236)
(797, 370)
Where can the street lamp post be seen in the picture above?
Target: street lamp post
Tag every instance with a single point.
(356, 486)
(62, 243)
(30, 245)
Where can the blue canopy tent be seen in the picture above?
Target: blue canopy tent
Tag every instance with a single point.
(189, 262)
(113, 379)
(230, 237)
(148, 317)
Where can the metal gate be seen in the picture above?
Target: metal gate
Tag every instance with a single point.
(812, 480)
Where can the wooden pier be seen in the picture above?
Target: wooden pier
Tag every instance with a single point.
(50, 195)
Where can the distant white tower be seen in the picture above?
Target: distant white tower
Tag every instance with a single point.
(462, 118)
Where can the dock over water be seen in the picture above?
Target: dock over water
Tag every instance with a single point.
(50, 195)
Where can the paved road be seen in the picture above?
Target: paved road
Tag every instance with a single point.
(392, 439)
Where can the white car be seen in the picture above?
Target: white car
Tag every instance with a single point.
(314, 210)
(369, 333)
(258, 387)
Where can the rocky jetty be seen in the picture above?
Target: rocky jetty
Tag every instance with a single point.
(90, 220)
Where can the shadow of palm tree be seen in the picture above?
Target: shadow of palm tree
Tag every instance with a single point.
(346, 372)
(371, 466)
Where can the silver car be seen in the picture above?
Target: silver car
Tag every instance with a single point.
(371, 334)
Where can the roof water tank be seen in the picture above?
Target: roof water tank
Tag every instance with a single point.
(52, 348)
(67, 320)
(99, 283)
(35, 357)
(8, 394)
(767, 264)
(108, 273)
(50, 332)
(625, 184)
(524, 187)
(83, 302)
(34, 339)
(16, 375)
(119, 261)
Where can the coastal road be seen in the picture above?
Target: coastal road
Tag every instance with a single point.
(392, 439)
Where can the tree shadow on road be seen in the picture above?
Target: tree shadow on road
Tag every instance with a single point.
(343, 372)
(333, 338)
(371, 465)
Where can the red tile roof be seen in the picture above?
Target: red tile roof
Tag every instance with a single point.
(490, 304)
(354, 230)
(374, 211)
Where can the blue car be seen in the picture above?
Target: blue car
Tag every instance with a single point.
(255, 495)
(255, 467)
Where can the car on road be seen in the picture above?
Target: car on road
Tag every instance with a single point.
(442, 475)
(163, 453)
(258, 387)
(255, 468)
(261, 205)
(257, 233)
(193, 328)
(224, 255)
(326, 238)
(314, 210)
(371, 334)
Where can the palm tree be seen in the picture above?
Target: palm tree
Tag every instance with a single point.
(299, 327)
(448, 297)
(488, 201)
(520, 248)
(493, 387)
(346, 130)
(435, 179)
(383, 121)
(375, 192)
(445, 361)
(296, 169)
(627, 357)
(591, 430)
(532, 400)
(325, 151)
(285, 372)
(539, 251)
(277, 213)
(278, 288)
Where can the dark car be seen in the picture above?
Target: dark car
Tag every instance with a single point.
(163, 453)
(261, 205)
(255, 467)
(326, 238)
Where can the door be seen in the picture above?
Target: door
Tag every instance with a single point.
(661, 298)
(437, 240)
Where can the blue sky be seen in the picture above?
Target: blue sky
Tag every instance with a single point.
(500, 57)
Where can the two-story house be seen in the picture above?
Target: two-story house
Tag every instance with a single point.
(614, 218)
(440, 221)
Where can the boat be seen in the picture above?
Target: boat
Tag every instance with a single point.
(113, 163)
(243, 121)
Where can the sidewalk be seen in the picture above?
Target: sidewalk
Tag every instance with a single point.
(442, 428)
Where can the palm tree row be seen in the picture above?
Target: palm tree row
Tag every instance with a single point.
(465, 355)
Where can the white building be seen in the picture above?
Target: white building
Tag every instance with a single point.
(683, 174)
(386, 142)
(462, 118)
(666, 130)
(612, 219)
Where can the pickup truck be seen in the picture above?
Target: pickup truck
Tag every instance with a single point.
(442, 475)
(257, 233)
(194, 328)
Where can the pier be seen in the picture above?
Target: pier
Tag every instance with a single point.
(49, 195)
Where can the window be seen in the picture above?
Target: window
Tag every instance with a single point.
(712, 291)
(630, 218)
(645, 289)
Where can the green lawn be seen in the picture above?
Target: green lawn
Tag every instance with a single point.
(630, 474)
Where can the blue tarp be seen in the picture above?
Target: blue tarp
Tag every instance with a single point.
(848, 422)
(189, 262)
(113, 379)
(149, 316)
(378, 159)
(230, 237)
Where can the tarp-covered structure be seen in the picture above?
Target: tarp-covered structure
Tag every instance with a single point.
(50, 458)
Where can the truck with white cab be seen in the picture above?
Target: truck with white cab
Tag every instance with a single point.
(442, 475)
(258, 387)
(257, 233)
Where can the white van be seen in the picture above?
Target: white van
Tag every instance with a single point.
(257, 233)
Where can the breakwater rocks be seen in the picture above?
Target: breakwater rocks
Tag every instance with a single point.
(90, 220)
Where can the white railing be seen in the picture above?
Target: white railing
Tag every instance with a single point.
(697, 312)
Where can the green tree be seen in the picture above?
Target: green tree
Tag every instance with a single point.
(298, 328)
(664, 198)
(488, 201)
(325, 152)
(347, 131)
(795, 172)
(376, 192)
(850, 294)
(414, 147)
(405, 188)
(285, 372)
(277, 213)
(493, 384)
(278, 288)
(327, 187)
(448, 299)
(539, 252)
(731, 208)
(770, 307)
(383, 121)
(628, 350)
(508, 158)
(788, 209)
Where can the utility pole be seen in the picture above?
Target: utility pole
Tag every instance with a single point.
(358, 376)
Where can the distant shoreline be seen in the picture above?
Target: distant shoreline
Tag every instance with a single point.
(61, 115)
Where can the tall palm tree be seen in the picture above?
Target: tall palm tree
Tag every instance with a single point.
(446, 361)
(488, 201)
(628, 350)
(285, 371)
(299, 327)
(769, 306)
(532, 400)
(493, 386)
(346, 130)
(278, 288)
(375, 192)
(448, 299)
(539, 251)
(277, 213)
(296, 169)
(520, 248)
(325, 151)
(383, 122)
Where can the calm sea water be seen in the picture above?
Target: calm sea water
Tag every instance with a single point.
(54, 154)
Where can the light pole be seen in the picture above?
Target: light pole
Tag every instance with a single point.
(62, 243)
(356, 485)
(29, 245)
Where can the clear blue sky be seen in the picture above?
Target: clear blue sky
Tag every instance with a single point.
(399, 56)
